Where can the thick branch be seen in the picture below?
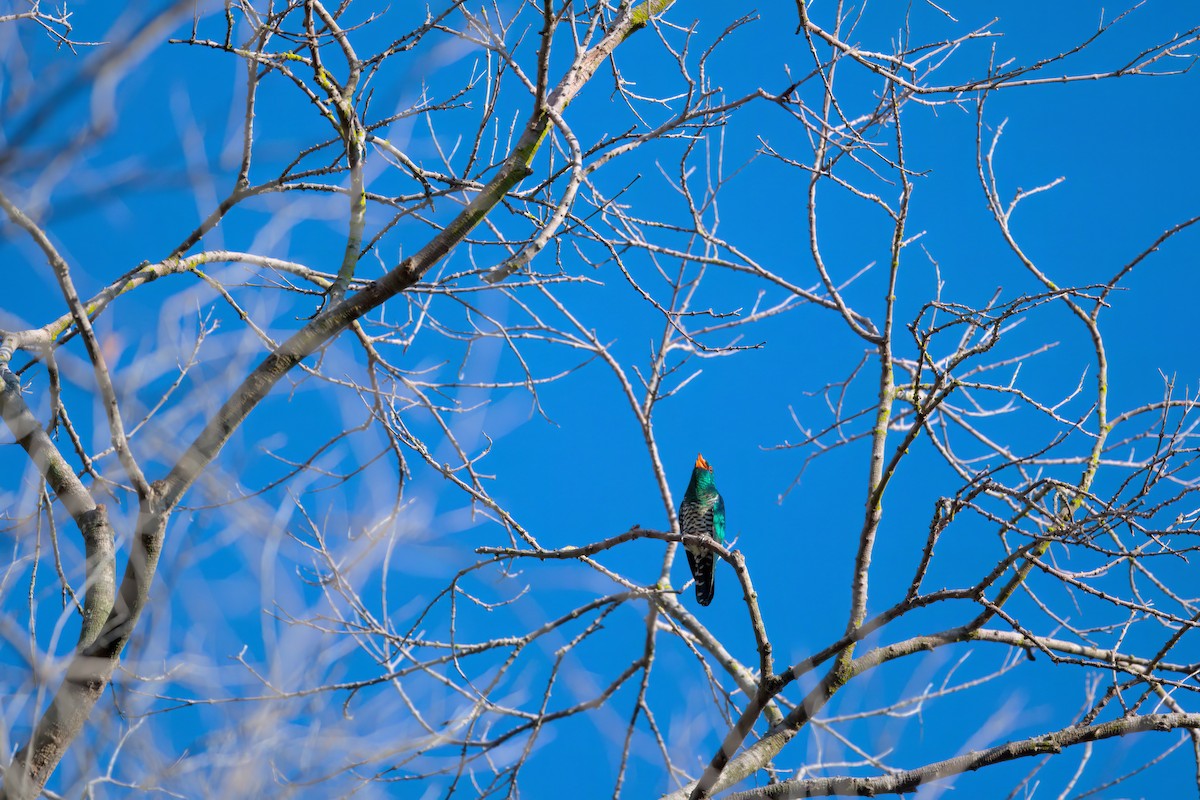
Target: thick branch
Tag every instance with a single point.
(909, 780)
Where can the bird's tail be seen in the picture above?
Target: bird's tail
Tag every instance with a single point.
(702, 571)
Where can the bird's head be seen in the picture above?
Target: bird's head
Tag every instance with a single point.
(701, 463)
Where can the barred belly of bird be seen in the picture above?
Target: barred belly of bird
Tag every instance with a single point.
(702, 513)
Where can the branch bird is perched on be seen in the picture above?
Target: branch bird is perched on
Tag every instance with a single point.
(702, 513)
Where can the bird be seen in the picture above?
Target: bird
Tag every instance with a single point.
(702, 513)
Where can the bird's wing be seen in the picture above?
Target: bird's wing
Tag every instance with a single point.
(718, 518)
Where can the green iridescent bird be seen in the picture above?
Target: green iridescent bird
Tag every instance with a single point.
(702, 513)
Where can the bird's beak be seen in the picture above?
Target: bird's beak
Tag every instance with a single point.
(701, 463)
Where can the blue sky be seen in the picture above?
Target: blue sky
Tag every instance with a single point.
(231, 577)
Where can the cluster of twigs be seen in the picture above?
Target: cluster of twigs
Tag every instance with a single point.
(515, 221)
